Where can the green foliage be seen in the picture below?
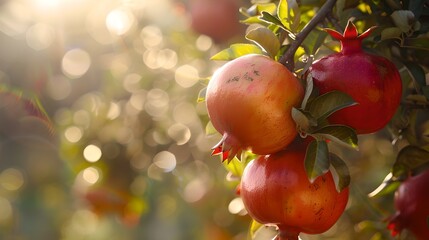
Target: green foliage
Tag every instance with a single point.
(341, 172)
(401, 36)
(265, 39)
(409, 159)
(237, 50)
(316, 159)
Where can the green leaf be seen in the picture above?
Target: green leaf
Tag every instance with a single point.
(391, 33)
(408, 159)
(202, 95)
(267, 17)
(237, 50)
(289, 14)
(324, 105)
(265, 39)
(417, 73)
(388, 186)
(417, 43)
(254, 228)
(402, 19)
(266, 7)
(340, 134)
(303, 120)
(308, 90)
(316, 159)
(341, 173)
(210, 130)
(235, 167)
(253, 20)
(313, 41)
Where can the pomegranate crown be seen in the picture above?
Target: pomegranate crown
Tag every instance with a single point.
(350, 32)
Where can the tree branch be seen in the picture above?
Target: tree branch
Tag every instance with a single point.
(287, 58)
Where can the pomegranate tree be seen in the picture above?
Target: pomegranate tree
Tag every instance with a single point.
(276, 190)
(249, 101)
(372, 81)
(412, 209)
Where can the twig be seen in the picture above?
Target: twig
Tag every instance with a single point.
(287, 58)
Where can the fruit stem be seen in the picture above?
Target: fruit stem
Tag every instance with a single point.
(287, 234)
(288, 57)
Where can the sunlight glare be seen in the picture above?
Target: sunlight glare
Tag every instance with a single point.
(119, 21)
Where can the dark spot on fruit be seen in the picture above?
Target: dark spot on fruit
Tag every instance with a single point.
(247, 77)
(314, 186)
(233, 79)
(320, 211)
(256, 72)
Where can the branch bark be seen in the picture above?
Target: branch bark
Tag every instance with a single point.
(288, 57)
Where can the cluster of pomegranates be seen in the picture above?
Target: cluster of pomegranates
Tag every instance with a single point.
(249, 101)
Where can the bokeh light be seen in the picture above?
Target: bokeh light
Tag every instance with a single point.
(76, 63)
(91, 175)
(119, 21)
(186, 76)
(92, 153)
(11, 179)
(40, 36)
(165, 160)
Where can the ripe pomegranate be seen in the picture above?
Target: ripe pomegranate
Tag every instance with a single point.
(218, 19)
(372, 81)
(275, 190)
(249, 101)
(412, 209)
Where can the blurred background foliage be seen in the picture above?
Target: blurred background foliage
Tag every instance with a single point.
(102, 136)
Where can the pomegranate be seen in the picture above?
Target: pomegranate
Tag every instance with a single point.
(412, 209)
(372, 81)
(275, 190)
(218, 19)
(249, 101)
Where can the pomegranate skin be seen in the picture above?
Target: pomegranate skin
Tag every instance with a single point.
(218, 19)
(275, 190)
(372, 81)
(412, 208)
(249, 101)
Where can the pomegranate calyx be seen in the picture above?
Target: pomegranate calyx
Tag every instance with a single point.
(227, 150)
(395, 224)
(350, 32)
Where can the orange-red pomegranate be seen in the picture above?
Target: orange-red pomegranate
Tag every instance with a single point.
(275, 190)
(249, 101)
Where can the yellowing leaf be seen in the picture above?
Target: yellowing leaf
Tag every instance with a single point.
(265, 39)
(289, 14)
(237, 50)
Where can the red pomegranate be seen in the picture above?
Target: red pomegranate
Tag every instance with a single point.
(275, 190)
(372, 81)
(412, 207)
